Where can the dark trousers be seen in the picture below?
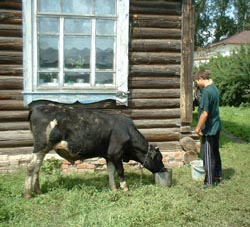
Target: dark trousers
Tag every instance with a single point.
(211, 158)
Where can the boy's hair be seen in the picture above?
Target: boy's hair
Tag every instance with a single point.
(202, 74)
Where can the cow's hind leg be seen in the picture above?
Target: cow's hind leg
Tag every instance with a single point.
(120, 172)
(32, 178)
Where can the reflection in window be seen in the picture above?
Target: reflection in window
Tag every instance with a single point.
(105, 27)
(48, 6)
(104, 53)
(48, 78)
(48, 24)
(77, 6)
(48, 51)
(108, 7)
(77, 52)
(76, 78)
(104, 78)
(77, 26)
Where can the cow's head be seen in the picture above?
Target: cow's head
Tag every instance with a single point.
(153, 160)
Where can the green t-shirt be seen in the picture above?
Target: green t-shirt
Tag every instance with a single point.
(210, 103)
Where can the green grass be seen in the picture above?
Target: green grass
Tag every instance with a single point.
(85, 199)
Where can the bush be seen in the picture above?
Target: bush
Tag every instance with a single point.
(232, 76)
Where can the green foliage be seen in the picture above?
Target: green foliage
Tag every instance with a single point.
(51, 166)
(232, 76)
(78, 200)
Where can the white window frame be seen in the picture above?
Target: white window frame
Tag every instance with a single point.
(118, 91)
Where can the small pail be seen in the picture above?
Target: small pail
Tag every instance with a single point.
(197, 170)
(164, 178)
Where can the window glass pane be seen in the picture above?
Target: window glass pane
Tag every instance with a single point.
(49, 5)
(48, 24)
(48, 51)
(104, 53)
(77, 26)
(77, 52)
(105, 27)
(78, 6)
(105, 7)
(104, 78)
(48, 78)
(76, 78)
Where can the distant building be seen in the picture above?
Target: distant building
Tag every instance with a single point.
(224, 47)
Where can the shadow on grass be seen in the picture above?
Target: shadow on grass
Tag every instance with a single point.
(98, 181)
(228, 173)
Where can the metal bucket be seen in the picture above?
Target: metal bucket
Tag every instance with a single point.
(197, 170)
(164, 178)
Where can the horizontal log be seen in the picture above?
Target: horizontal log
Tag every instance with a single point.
(11, 57)
(11, 95)
(155, 7)
(16, 138)
(155, 70)
(5, 126)
(154, 58)
(157, 123)
(11, 43)
(11, 82)
(152, 113)
(16, 150)
(17, 115)
(155, 33)
(11, 70)
(153, 93)
(153, 82)
(160, 134)
(10, 30)
(13, 4)
(154, 103)
(12, 105)
(168, 146)
(10, 16)
(155, 21)
(155, 45)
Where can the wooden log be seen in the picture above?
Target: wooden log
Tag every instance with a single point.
(16, 150)
(10, 16)
(13, 4)
(157, 123)
(153, 93)
(12, 105)
(155, 45)
(155, 21)
(11, 82)
(18, 115)
(11, 43)
(155, 33)
(155, 7)
(11, 57)
(152, 113)
(11, 70)
(160, 134)
(10, 30)
(154, 58)
(17, 138)
(11, 95)
(153, 82)
(5, 126)
(155, 70)
(154, 103)
(169, 146)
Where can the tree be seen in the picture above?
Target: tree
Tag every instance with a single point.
(215, 19)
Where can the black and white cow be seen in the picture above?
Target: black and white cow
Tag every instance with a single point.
(76, 134)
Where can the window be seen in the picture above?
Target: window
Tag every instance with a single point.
(75, 50)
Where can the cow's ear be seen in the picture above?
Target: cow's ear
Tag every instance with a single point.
(157, 149)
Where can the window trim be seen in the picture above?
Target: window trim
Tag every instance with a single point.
(118, 92)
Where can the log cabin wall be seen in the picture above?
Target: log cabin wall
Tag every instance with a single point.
(155, 78)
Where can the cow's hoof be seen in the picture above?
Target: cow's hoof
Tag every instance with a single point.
(26, 196)
(124, 186)
(113, 188)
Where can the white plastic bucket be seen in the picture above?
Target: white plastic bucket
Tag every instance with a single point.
(197, 170)
(164, 178)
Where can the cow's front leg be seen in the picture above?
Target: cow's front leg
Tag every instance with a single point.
(120, 172)
(111, 172)
(32, 178)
